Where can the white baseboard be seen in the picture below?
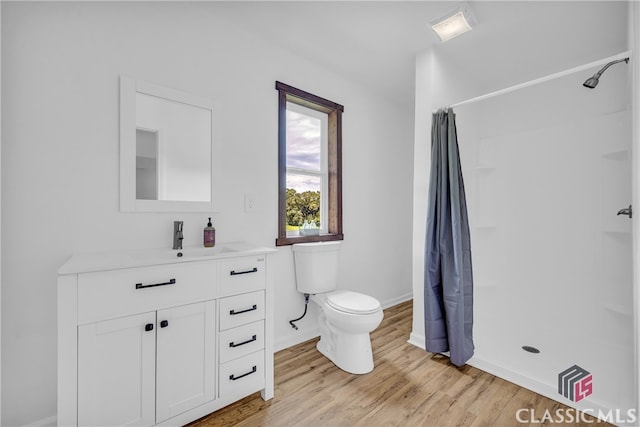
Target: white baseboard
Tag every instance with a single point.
(417, 340)
(51, 421)
(398, 300)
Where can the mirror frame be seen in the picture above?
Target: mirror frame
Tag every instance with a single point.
(129, 87)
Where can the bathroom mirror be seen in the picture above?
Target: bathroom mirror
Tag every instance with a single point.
(166, 149)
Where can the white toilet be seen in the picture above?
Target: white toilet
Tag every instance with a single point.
(346, 318)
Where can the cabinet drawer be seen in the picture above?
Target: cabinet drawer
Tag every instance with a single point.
(242, 376)
(242, 275)
(118, 293)
(241, 309)
(240, 341)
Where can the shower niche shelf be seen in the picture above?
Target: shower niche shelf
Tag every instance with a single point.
(618, 309)
(618, 155)
(485, 226)
(485, 168)
(618, 234)
(613, 232)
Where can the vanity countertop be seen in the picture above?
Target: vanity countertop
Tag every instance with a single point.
(100, 261)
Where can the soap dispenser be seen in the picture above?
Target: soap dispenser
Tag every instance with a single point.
(209, 235)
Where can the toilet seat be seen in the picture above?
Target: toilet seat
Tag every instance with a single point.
(353, 302)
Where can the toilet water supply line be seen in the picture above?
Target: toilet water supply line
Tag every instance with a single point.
(306, 303)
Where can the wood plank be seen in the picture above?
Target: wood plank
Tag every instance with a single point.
(408, 387)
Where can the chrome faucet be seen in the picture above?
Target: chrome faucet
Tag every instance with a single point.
(177, 235)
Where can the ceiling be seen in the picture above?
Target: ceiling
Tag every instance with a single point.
(375, 42)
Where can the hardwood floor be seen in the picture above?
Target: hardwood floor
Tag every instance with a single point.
(408, 387)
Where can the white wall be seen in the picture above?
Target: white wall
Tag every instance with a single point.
(438, 84)
(61, 63)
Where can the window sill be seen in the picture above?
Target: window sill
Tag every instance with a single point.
(284, 241)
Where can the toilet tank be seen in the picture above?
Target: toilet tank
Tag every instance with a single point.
(316, 266)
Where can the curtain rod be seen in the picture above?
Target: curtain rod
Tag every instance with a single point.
(541, 79)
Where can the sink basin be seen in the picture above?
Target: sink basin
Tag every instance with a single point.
(203, 252)
(186, 253)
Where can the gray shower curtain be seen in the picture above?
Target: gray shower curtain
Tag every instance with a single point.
(448, 284)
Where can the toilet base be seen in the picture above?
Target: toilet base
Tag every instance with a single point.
(350, 352)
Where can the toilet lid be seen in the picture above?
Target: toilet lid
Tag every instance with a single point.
(353, 302)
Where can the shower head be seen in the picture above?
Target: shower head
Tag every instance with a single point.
(593, 81)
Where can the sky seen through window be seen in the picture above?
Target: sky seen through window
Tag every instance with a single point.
(303, 150)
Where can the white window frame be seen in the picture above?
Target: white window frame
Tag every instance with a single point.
(323, 173)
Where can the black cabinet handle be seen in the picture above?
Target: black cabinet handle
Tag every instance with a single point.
(236, 273)
(148, 327)
(233, 312)
(141, 286)
(252, 339)
(253, 370)
(164, 323)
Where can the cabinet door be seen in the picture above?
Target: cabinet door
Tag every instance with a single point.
(185, 358)
(116, 367)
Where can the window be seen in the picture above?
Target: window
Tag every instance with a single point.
(309, 167)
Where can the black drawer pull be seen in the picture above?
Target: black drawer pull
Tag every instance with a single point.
(141, 286)
(148, 327)
(236, 273)
(233, 312)
(253, 370)
(164, 323)
(253, 338)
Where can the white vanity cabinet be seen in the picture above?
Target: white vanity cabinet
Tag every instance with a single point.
(162, 343)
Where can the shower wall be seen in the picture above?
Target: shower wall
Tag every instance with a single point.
(546, 169)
